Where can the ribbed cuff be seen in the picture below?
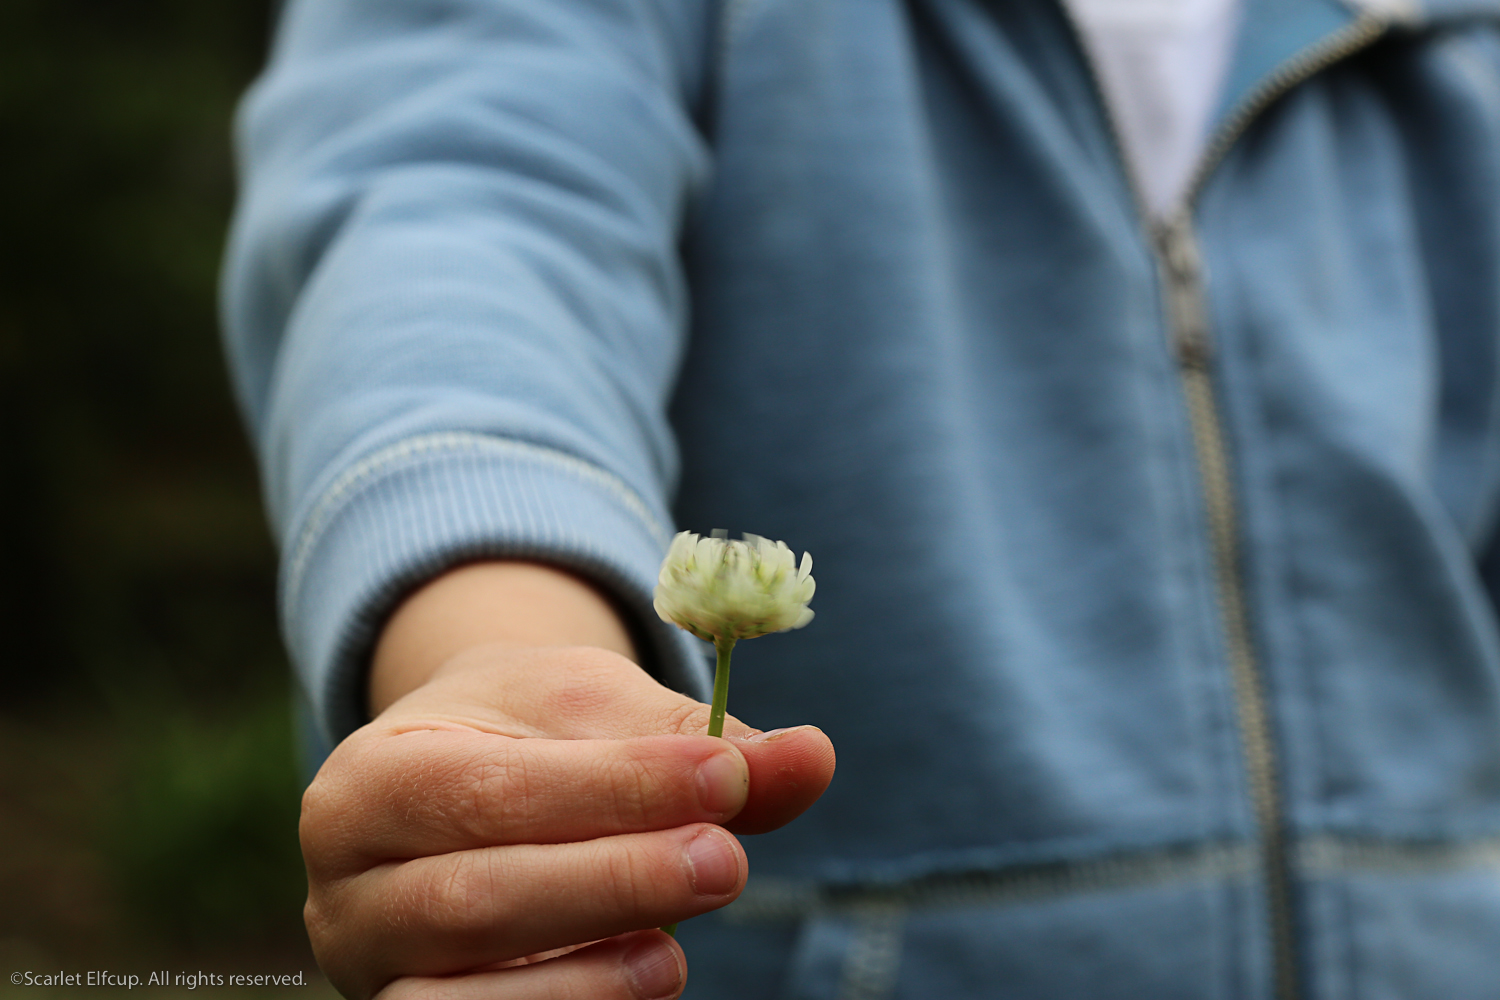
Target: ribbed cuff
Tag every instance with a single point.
(412, 510)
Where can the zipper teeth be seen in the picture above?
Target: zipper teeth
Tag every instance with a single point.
(1356, 35)
(1245, 673)
(1178, 253)
(1176, 258)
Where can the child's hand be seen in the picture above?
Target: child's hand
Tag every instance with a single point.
(530, 799)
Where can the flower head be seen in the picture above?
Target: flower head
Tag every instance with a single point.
(718, 589)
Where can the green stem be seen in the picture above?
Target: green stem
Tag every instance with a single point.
(721, 687)
(716, 711)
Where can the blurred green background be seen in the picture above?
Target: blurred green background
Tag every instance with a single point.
(148, 777)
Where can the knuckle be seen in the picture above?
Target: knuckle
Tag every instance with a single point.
(319, 825)
(322, 792)
(689, 718)
(478, 793)
(428, 789)
(461, 896)
(622, 876)
(320, 801)
(635, 879)
(315, 802)
(462, 900)
(332, 946)
(319, 924)
(327, 915)
(588, 685)
(633, 793)
(495, 792)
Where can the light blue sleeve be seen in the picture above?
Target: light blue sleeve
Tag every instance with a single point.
(454, 303)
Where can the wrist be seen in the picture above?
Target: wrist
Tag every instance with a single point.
(485, 604)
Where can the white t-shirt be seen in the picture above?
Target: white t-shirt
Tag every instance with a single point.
(1162, 65)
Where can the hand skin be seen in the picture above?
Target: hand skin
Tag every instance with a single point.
(529, 804)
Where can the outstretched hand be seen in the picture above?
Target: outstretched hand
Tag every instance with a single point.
(518, 825)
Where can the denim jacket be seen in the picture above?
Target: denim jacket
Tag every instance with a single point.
(1152, 620)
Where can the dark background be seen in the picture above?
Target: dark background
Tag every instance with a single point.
(148, 777)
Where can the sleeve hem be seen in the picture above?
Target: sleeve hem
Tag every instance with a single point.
(416, 508)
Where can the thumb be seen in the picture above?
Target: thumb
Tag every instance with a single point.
(789, 770)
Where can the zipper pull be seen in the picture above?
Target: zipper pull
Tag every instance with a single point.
(1177, 251)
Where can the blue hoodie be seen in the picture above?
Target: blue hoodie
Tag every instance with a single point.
(1153, 628)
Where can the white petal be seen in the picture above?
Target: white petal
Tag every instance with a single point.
(714, 587)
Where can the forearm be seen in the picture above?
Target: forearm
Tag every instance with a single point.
(455, 306)
(520, 603)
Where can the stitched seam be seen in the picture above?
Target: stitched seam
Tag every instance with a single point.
(372, 468)
(1340, 856)
(1396, 11)
(874, 955)
(780, 900)
(774, 899)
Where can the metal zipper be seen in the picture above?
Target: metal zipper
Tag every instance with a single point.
(1180, 270)
(1359, 34)
(1188, 319)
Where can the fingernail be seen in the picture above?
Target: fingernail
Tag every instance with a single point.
(713, 863)
(723, 783)
(653, 970)
(775, 734)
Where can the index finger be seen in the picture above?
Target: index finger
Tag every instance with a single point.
(440, 791)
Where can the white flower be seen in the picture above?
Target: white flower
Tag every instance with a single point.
(718, 589)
